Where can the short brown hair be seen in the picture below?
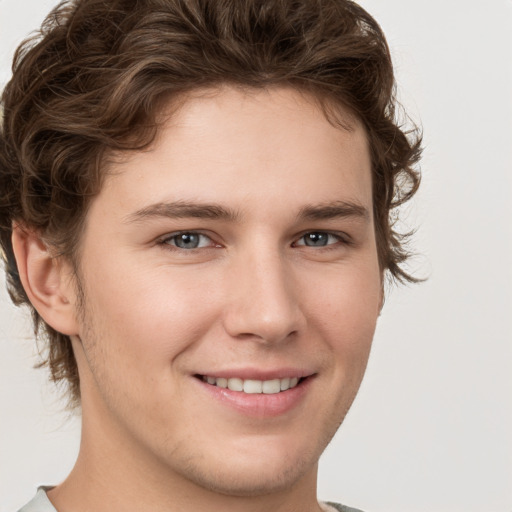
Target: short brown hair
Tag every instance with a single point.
(91, 82)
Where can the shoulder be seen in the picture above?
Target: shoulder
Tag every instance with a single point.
(40, 502)
(339, 508)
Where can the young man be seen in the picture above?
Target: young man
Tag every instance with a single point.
(195, 201)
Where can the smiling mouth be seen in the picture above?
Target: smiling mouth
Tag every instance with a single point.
(252, 386)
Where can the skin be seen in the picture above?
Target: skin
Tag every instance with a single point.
(253, 296)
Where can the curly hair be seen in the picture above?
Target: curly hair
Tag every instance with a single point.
(92, 79)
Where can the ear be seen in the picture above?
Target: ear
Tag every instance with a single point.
(47, 280)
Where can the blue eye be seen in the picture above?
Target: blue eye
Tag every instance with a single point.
(188, 240)
(318, 239)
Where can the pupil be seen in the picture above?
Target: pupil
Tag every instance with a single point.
(316, 239)
(187, 240)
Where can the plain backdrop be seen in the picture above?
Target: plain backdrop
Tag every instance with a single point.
(431, 427)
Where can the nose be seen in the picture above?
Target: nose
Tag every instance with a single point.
(262, 300)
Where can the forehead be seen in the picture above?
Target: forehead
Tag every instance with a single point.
(228, 144)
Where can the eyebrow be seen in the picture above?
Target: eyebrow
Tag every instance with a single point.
(335, 210)
(181, 210)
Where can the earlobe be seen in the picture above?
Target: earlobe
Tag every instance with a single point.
(46, 279)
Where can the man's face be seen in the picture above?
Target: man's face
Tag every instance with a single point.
(238, 251)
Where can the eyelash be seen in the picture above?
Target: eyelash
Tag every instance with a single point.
(169, 242)
(338, 237)
(166, 241)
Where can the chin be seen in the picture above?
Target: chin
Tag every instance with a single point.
(250, 480)
(255, 466)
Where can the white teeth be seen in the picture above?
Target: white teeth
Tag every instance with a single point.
(235, 384)
(285, 384)
(270, 387)
(221, 383)
(252, 386)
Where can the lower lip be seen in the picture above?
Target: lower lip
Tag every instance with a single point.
(259, 405)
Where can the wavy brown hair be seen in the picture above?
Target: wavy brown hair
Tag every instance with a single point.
(92, 80)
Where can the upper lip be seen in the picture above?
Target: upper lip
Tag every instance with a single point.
(259, 374)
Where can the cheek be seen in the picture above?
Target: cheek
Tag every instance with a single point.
(148, 316)
(346, 314)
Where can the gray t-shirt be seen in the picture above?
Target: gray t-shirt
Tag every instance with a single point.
(41, 503)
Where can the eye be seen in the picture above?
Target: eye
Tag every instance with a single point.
(318, 239)
(188, 240)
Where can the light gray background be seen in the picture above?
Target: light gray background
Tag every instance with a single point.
(430, 430)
